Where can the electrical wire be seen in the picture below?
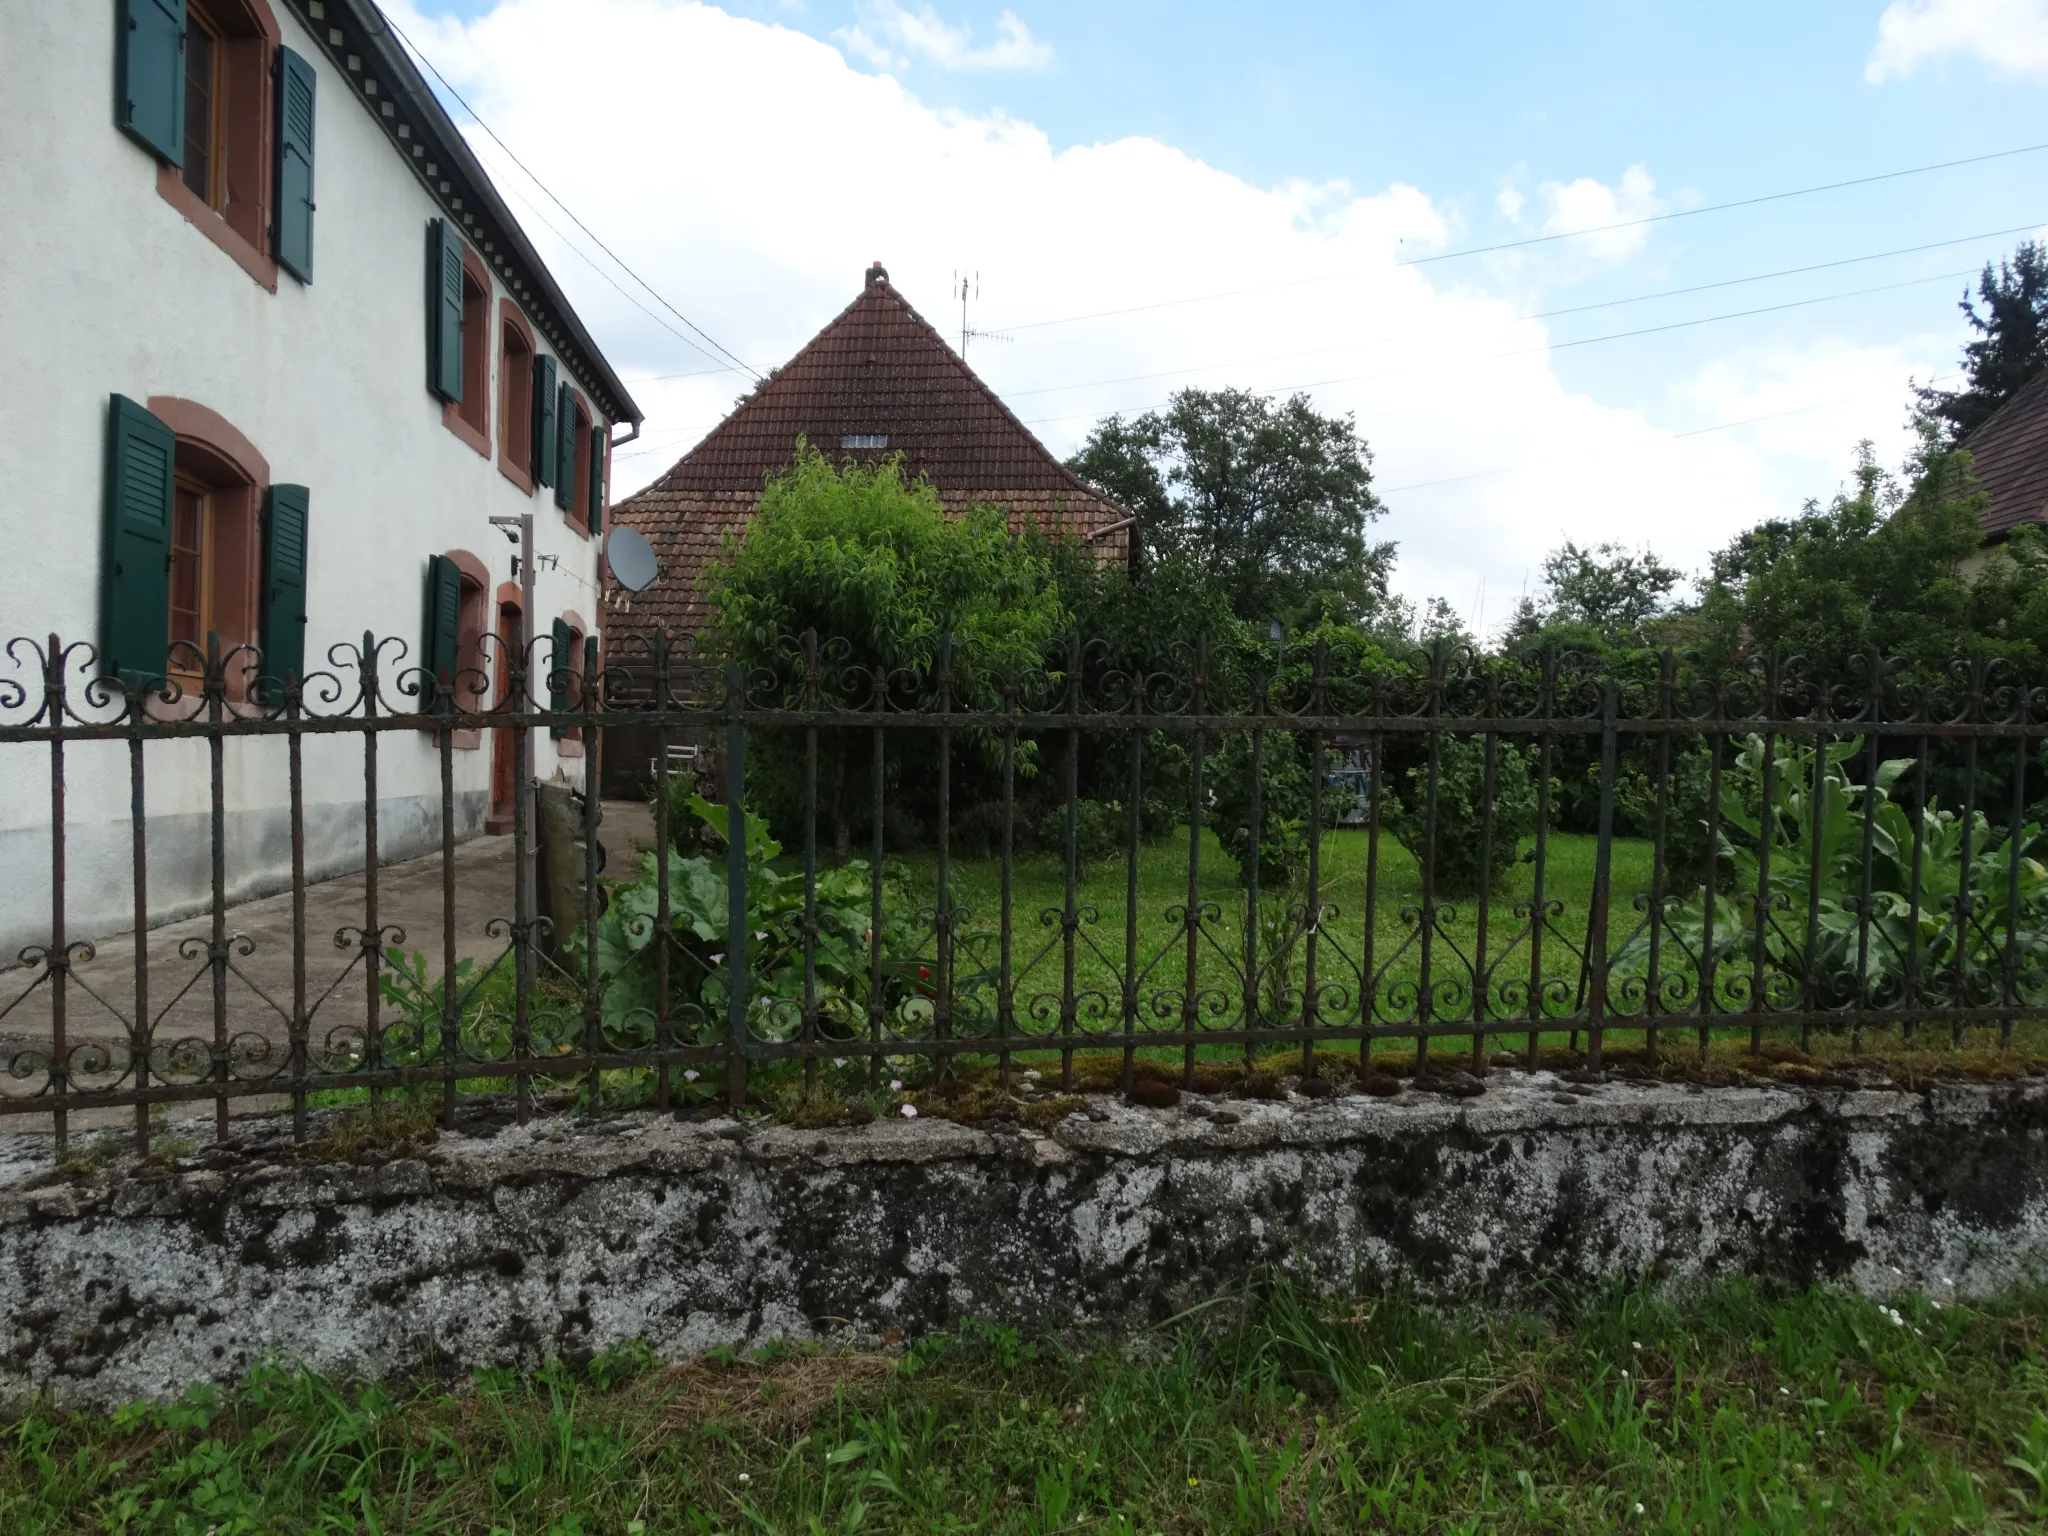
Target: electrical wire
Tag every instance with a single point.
(1584, 341)
(1338, 277)
(1541, 314)
(571, 248)
(1724, 426)
(417, 53)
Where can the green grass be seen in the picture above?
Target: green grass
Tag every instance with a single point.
(1267, 1413)
(1038, 887)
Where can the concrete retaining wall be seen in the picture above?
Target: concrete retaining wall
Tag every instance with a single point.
(515, 1244)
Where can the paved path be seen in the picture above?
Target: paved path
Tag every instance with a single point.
(258, 1002)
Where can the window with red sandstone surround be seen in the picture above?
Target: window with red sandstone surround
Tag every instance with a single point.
(225, 186)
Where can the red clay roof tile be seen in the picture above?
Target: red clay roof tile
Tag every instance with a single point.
(2009, 455)
(878, 379)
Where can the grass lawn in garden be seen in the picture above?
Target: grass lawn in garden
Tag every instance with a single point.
(1730, 1411)
(1038, 889)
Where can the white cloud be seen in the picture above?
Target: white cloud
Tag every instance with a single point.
(886, 26)
(1587, 204)
(2009, 35)
(1510, 203)
(766, 172)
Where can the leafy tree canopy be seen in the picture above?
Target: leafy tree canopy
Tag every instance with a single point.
(1269, 501)
(859, 554)
(1880, 570)
(1609, 589)
(2011, 344)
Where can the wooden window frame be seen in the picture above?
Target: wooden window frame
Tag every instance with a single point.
(216, 456)
(571, 742)
(471, 652)
(470, 418)
(515, 395)
(247, 37)
(577, 515)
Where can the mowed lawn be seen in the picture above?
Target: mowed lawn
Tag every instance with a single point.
(1510, 956)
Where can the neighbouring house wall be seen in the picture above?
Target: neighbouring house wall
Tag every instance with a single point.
(106, 287)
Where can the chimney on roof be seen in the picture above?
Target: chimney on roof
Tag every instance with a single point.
(877, 273)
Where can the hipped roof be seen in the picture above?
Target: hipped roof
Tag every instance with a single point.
(877, 380)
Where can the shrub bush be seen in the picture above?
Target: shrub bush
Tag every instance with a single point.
(1460, 813)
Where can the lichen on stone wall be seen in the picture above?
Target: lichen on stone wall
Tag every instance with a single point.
(501, 1244)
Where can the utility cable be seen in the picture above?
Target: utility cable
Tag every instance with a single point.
(417, 53)
(1724, 426)
(1338, 277)
(570, 246)
(1541, 314)
(1586, 341)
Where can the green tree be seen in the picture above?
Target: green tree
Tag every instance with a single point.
(873, 564)
(2011, 344)
(1271, 501)
(1880, 571)
(1609, 589)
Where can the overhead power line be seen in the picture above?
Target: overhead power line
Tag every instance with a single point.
(1541, 314)
(1723, 426)
(477, 118)
(1588, 341)
(1337, 277)
(1740, 202)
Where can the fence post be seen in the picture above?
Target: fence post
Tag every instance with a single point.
(736, 889)
(1603, 878)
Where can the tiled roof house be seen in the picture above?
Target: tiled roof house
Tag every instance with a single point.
(2009, 455)
(877, 380)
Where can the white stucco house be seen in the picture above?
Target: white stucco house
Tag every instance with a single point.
(281, 353)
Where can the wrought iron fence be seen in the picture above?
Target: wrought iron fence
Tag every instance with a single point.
(1224, 854)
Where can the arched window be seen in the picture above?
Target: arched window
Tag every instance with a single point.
(216, 544)
(515, 397)
(566, 667)
(470, 417)
(226, 184)
(472, 672)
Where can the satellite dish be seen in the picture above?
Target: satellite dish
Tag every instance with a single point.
(631, 558)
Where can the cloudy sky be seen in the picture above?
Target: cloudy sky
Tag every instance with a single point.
(1161, 193)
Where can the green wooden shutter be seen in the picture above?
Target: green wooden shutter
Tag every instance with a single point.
(600, 439)
(558, 674)
(444, 310)
(292, 237)
(135, 582)
(440, 650)
(544, 430)
(284, 581)
(565, 448)
(150, 81)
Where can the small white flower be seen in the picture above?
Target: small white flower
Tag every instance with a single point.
(1639, 1508)
(1624, 1375)
(838, 1061)
(895, 1085)
(1635, 1345)
(1784, 1391)
(745, 1478)
(689, 1074)
(1934, 1304)
(761, 933)
(910, 1111)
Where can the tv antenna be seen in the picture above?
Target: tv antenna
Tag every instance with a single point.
(967, 285)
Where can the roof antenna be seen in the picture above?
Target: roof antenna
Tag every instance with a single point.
(965, 283)
(968, 285)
